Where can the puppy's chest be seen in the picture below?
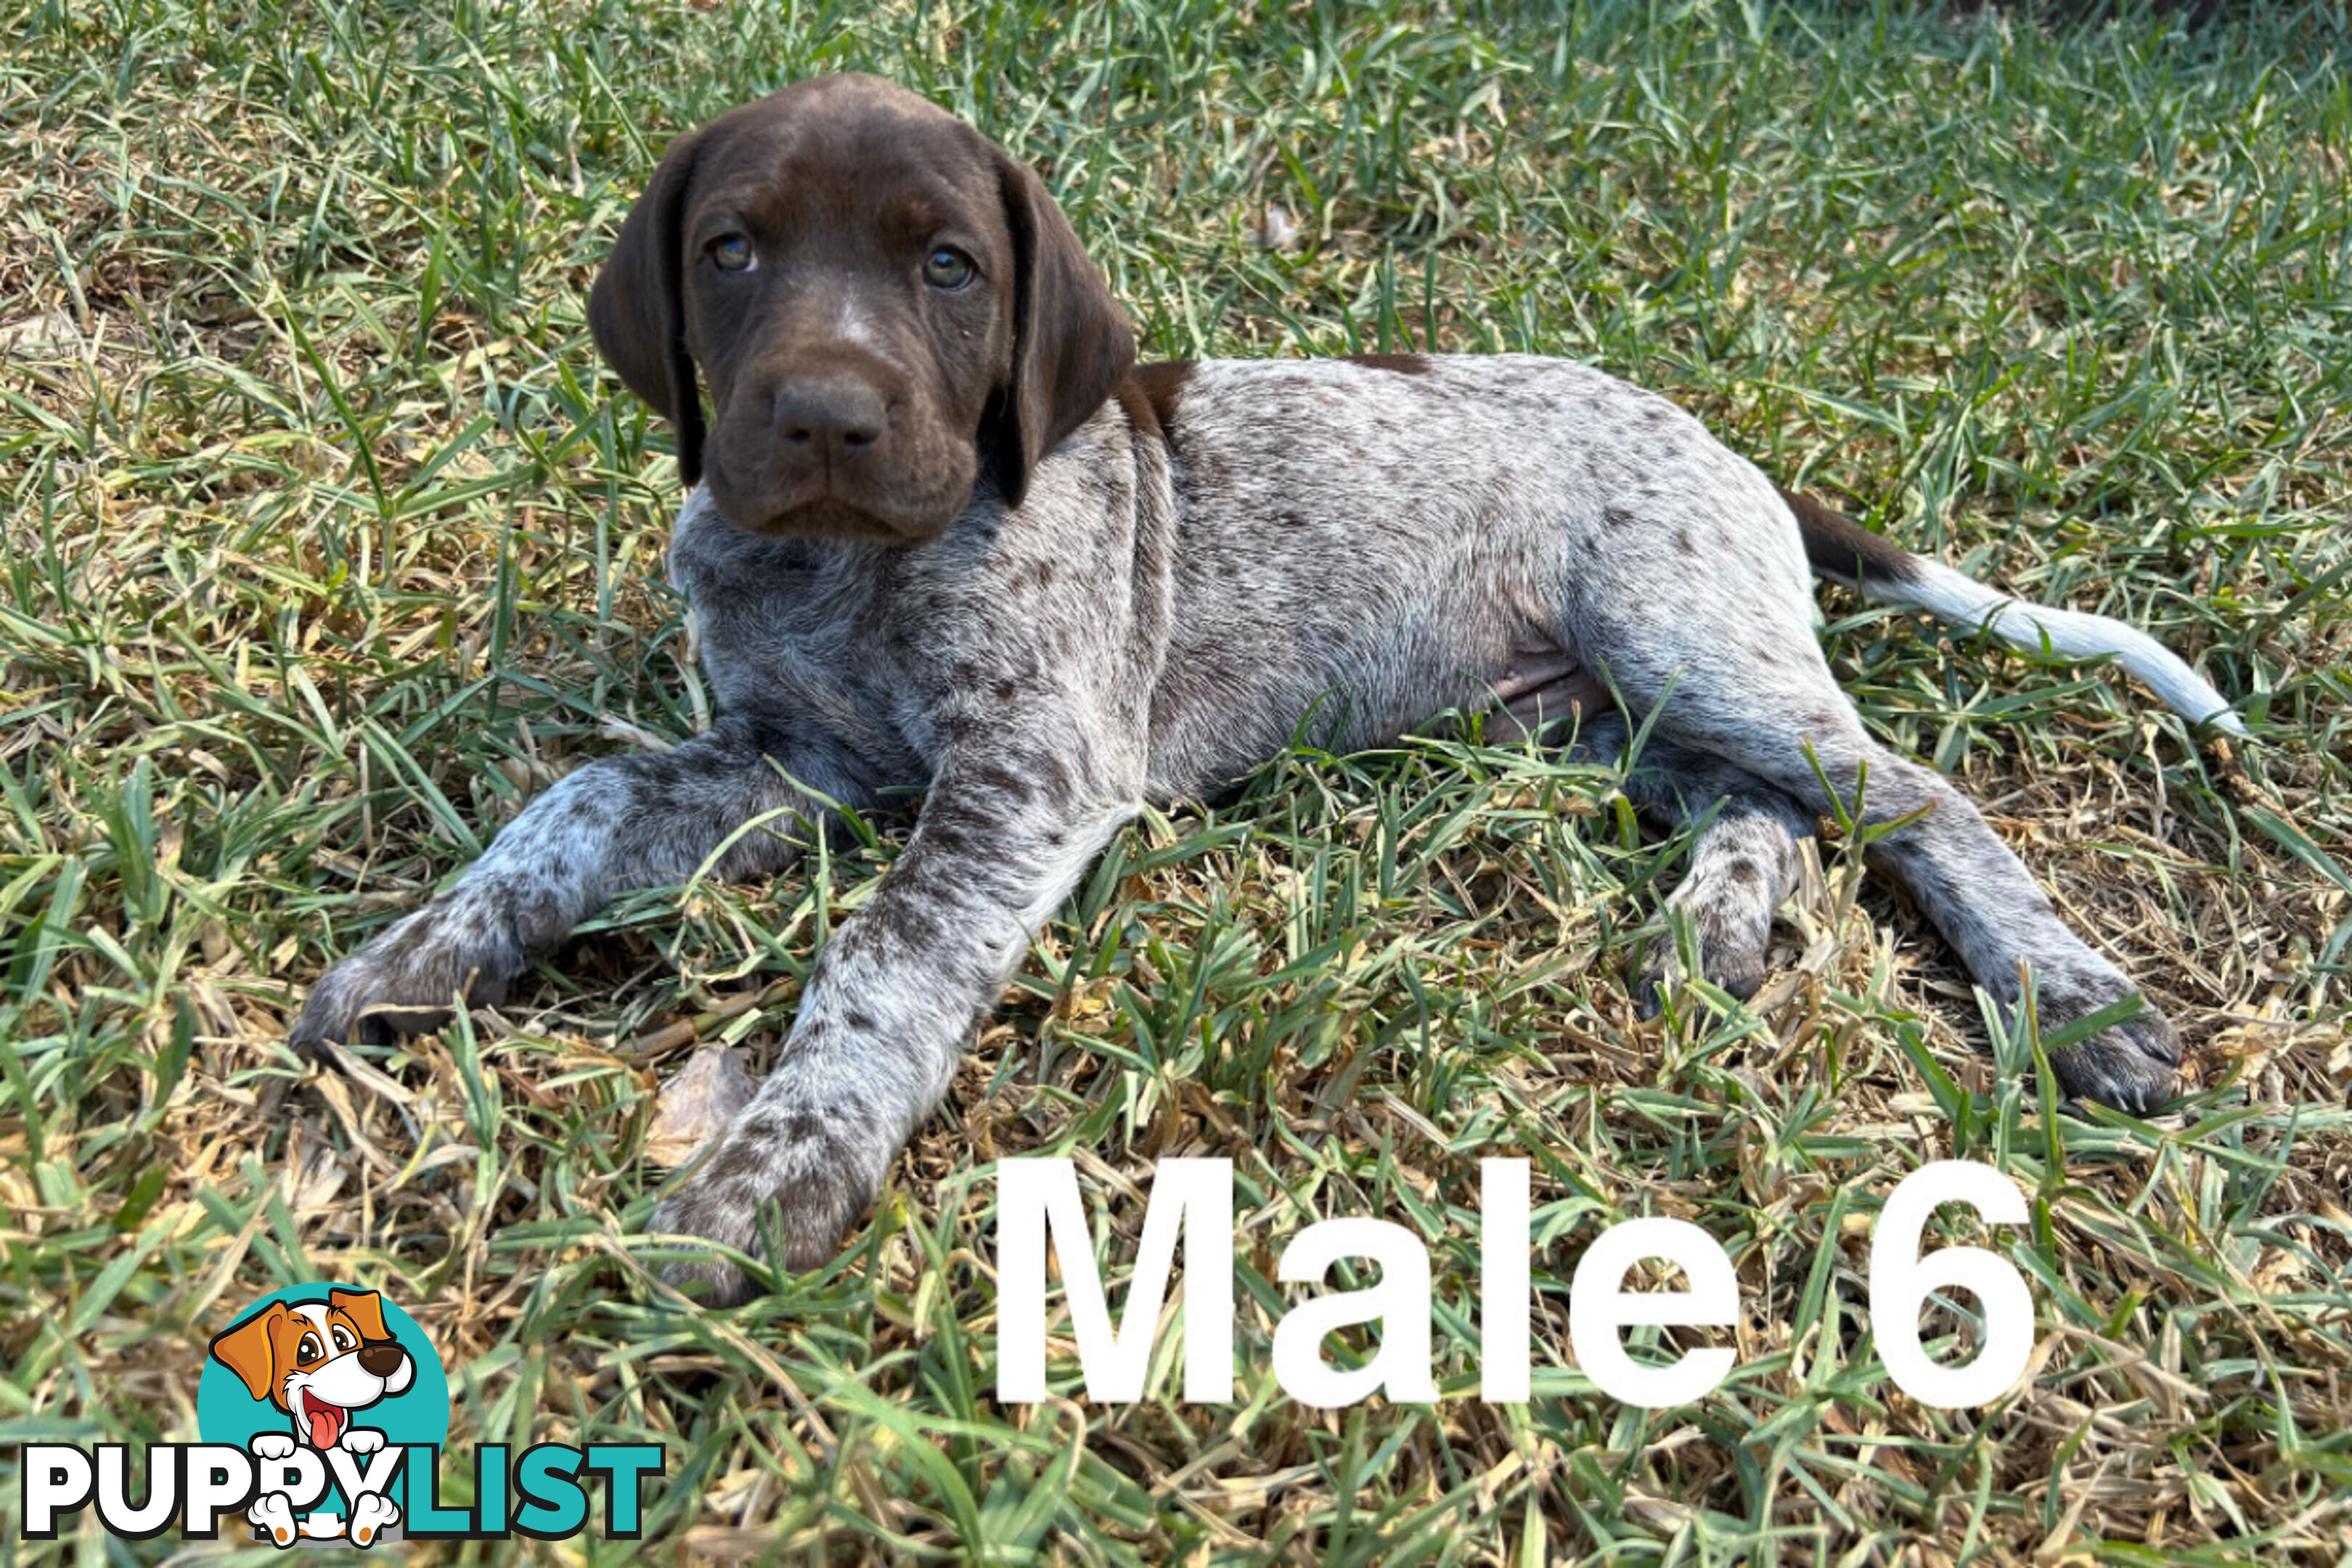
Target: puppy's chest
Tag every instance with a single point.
(878, 644)
(787, 626)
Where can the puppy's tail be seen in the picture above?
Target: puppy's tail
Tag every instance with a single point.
(1844, 551)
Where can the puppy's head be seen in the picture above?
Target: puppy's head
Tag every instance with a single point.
(317, 1360)
(883, 304)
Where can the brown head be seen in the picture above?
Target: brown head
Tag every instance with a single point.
(281, 1339)
(883, 305)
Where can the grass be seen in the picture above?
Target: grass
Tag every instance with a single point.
(328, 540)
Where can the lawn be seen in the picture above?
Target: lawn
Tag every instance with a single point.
(328, 541)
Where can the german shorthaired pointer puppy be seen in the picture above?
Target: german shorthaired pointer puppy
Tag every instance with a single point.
(945, 532)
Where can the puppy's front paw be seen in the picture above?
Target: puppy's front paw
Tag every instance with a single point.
(272, 1445)
(273, 1511)
(789, 1177)
(729, 1222)
(2130, 1066)
(362, 1440)
(472, 941)
(371, 1516)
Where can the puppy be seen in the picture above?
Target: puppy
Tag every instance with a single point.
(319, 1361)
(944, 533)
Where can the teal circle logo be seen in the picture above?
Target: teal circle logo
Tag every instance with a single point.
(324, 1367)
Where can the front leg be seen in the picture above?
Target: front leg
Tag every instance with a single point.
(626, 822)
(1006, 832)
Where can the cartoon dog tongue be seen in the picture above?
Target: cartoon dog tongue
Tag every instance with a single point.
(326, 1421)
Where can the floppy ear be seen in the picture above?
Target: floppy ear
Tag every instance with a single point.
(364, 1308)
(1071, 342)
(636, 310)
(246, 1349)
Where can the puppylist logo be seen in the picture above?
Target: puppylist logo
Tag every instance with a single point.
(322, 1412)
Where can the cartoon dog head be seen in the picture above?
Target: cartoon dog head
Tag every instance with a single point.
(317, 1360)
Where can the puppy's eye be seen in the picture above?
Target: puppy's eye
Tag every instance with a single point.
(310, 1349)
(343, 1340)
(948, 268)
(732, 252)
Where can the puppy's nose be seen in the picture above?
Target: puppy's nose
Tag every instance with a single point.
(837, 416)
(381, 1360)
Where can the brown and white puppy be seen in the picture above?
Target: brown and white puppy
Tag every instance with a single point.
(319, 1361)
(947, 537)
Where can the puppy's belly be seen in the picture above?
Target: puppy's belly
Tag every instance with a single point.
(1540, 685)
(1226, 704)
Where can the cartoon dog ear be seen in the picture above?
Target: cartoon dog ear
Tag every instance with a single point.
(364, 1308)
(1071, 342)
(636, 309)
(246, 1350)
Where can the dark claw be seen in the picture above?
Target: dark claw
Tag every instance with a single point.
(399, 985)
(2132, 1066)
(816, 1192)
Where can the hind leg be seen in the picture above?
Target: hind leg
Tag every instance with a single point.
(1976, 892)
(1755, 690)
(1743, 859)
